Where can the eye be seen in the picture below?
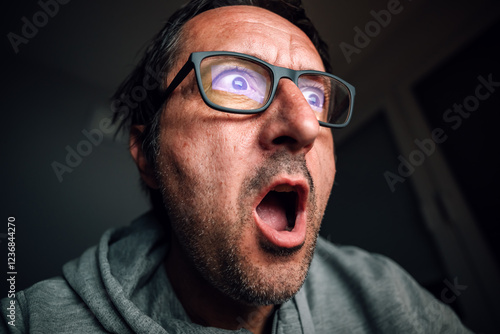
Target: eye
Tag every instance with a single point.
(314, 96)
(313, 89)
(241, 81)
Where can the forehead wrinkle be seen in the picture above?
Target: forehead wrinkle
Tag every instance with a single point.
(287, 48)
(294, 56)
(298, 43)
(276, 25)
(290, 55)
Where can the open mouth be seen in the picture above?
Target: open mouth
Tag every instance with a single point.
(278, 208)
(280, 213)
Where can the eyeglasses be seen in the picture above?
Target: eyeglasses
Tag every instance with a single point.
(242, 84)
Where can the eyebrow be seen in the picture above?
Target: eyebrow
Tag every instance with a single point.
(300, 68)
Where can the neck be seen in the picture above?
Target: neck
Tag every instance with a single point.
(205, 304)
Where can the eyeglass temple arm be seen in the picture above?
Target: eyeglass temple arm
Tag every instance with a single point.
(188, 66)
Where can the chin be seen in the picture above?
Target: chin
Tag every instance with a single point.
(271, 276)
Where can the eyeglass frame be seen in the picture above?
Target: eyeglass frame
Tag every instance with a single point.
(195, 59)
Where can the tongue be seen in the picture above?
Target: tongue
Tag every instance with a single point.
(272, 211)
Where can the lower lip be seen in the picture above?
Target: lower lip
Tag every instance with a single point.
(284, 239)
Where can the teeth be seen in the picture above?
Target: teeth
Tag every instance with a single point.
(284, 188)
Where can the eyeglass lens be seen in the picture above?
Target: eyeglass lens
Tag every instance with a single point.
(239, 83)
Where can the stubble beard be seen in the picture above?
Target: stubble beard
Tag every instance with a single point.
(210, 239)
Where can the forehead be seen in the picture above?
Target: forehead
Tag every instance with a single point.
(254, 31)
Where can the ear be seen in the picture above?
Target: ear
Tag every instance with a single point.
(146, 171)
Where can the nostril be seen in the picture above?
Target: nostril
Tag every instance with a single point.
(284, 140)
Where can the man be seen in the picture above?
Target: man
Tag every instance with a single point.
(237, 153)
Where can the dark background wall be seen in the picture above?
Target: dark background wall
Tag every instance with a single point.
(440, 223)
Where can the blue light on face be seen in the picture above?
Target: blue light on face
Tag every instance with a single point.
(315, 97)
(314, 93)
(239, 81)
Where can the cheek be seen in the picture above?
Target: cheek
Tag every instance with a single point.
(324, 167)
(208, 156)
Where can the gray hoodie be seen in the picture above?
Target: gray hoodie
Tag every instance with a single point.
(121, 286)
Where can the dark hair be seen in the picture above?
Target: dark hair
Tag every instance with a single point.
(160, 57)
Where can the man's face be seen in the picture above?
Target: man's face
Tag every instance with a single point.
(246, 193)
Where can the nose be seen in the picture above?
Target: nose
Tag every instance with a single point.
(289, 121)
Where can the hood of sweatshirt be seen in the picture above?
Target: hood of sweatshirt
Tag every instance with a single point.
(123, 282)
